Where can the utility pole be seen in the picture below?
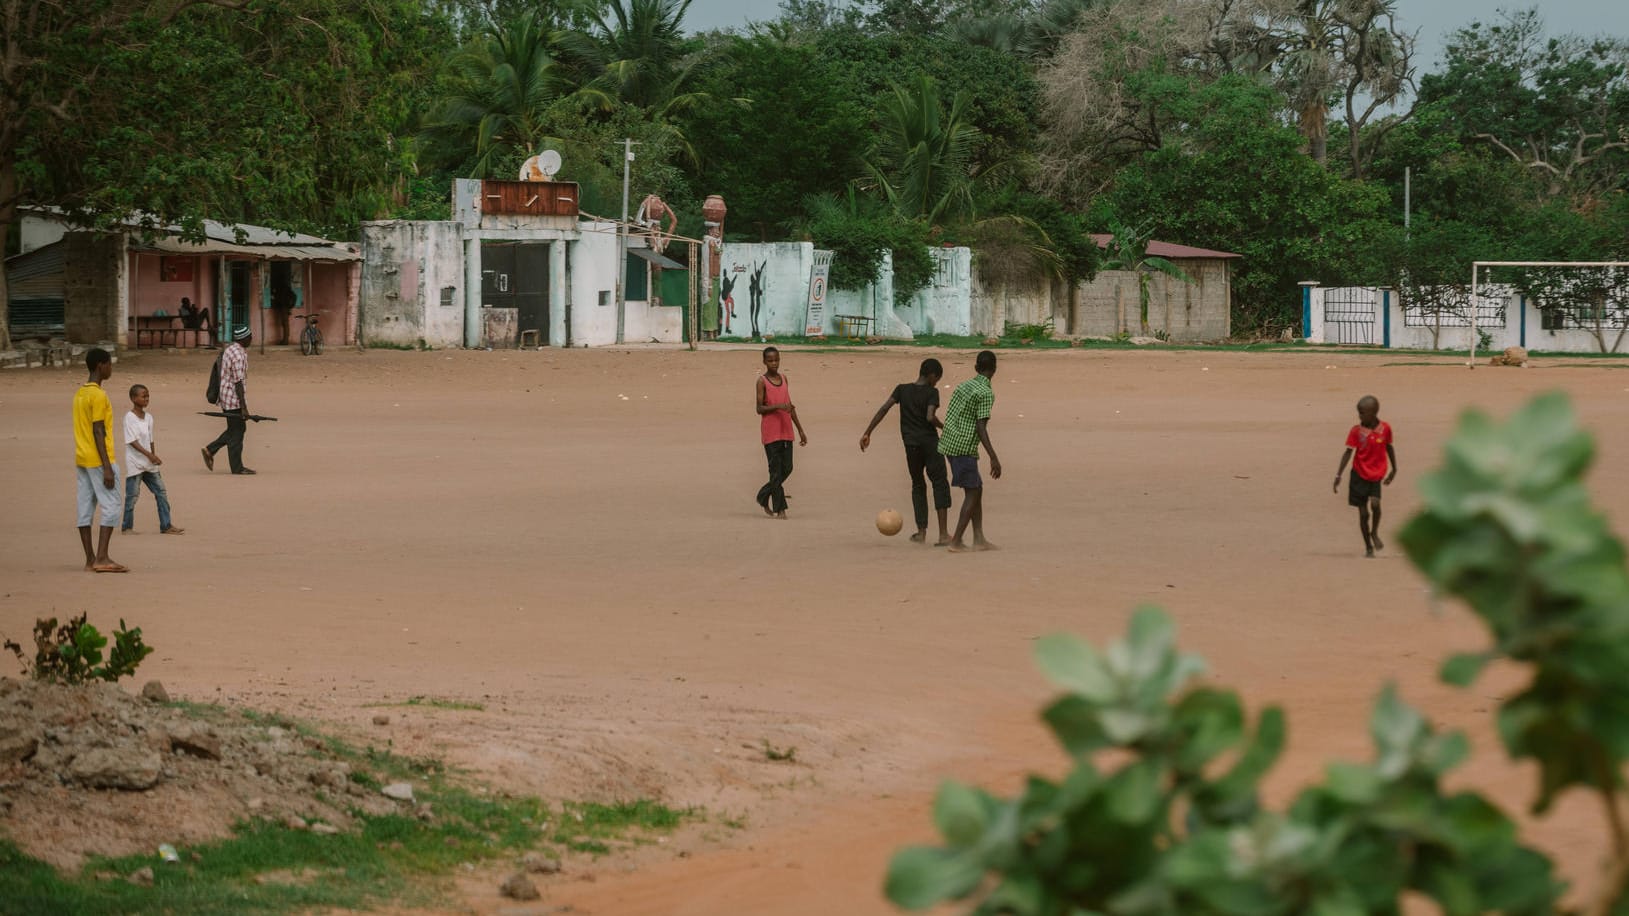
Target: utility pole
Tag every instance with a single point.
(622, 242)
(1408, 177)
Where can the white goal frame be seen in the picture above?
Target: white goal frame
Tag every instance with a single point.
(1476, 267)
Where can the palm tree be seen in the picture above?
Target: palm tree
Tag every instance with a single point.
(923, 157)
(641, 50)
(1033, 34)
(1129, 251)
(502, 87)
(638, 52)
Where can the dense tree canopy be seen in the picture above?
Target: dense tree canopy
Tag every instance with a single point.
(288, 113)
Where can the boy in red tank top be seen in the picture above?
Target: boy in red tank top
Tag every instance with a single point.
(776, 418)
(1374, 461)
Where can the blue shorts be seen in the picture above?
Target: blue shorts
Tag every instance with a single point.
(964, 472)
(93, 495)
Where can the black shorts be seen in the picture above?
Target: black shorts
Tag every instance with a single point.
(964, 472)
(1360, 491)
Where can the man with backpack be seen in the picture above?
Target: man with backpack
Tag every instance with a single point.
(226, 382)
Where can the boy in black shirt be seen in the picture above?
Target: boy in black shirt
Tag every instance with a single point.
(918, 426)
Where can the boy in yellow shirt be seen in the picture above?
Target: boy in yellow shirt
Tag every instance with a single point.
(93, 457)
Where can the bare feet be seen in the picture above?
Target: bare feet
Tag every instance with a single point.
(944, 541)
(1369, 553)
(1375, 539)
(779, 515)
(108, 566)
(127, 531)
(984, 545)
(956, 547)
(919, 537)
(174, 529)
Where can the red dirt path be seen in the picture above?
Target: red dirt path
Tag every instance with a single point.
(569, 538)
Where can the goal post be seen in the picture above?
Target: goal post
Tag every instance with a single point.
(1478, 268)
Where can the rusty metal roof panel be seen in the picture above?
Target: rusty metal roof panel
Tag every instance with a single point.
(313, 252)
(1168, 249)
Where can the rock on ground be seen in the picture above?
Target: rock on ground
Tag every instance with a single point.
(124, 767)
(519, 887)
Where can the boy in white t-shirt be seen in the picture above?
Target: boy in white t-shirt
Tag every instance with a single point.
(141, 463)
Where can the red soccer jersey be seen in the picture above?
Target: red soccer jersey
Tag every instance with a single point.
(1369, 445)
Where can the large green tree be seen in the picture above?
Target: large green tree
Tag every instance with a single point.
(289, 113)
(1238, 179)
(1556, 106)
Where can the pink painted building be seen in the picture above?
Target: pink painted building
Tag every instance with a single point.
(128, 286)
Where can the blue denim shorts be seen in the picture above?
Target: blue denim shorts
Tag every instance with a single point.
(964, 472)
(93, 495)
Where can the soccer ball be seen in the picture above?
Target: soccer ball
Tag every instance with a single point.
(889, 522)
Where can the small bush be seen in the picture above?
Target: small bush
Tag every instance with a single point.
(1016, 331)
(72, 653)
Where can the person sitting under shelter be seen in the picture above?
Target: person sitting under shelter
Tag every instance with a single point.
(193, 318)
(196, 318)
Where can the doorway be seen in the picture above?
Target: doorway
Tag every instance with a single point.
(515, 275)
(239, 277)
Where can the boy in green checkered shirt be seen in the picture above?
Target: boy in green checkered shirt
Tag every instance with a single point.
(967, 422)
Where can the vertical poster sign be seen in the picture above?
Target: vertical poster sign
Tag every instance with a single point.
(815, 324)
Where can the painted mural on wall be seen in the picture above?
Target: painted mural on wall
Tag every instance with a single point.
(726, 285)
(756, 289)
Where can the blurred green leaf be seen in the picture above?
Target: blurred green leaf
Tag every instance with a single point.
(921, 876)
(1461, 669)
(960, 814)
(1070, 663)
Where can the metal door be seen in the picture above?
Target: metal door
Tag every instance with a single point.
(497, 275)
(531, 284)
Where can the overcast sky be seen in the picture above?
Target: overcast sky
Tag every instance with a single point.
(1434, 19)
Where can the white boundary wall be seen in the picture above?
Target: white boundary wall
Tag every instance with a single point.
(1523, 327)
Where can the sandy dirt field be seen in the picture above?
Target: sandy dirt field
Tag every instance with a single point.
(569, 538)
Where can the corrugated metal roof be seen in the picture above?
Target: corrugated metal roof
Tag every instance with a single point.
(217, 233)
(320, 251)
(35, 274)
(1168, 249)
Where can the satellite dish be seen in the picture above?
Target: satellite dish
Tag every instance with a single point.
(549, 161)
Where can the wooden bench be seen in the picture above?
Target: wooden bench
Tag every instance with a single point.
(155, 330)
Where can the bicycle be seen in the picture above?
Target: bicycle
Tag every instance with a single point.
(311, 337)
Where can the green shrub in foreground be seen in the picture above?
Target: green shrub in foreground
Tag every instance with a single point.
(1171, 822)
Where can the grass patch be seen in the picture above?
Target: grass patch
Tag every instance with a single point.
(388, 858)
(392, 859)
(593, 828)
(778, 754)
(431, 703)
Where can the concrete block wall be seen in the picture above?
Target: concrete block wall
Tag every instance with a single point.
(405, 266)
(993, 306)
(944, 306)
(93, 267)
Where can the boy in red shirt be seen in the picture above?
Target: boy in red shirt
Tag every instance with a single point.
(1368, 447)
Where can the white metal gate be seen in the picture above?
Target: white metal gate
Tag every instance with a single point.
(1351, 315)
